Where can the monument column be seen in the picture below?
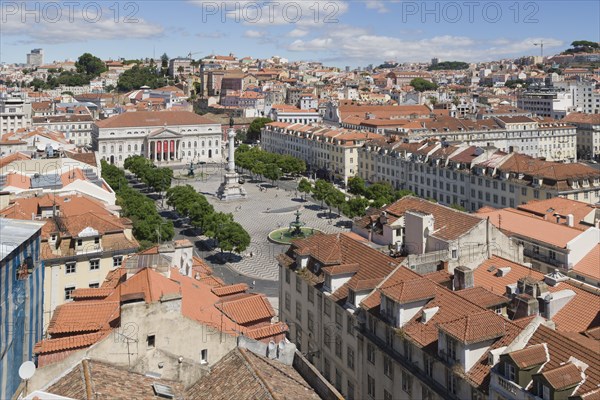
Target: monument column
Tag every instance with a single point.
(230, 188)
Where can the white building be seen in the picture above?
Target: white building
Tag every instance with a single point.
(553, 104)
(35, 58)
(162, 136)
(15, 112)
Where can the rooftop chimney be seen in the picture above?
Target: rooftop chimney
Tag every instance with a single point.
(463, 278)
(570, 220)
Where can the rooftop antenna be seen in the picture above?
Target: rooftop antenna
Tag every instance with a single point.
(541, 44)
(26, 371)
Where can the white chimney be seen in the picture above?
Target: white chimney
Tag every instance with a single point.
(570, 220)
(428, 313)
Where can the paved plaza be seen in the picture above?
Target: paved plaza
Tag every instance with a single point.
(262, 212)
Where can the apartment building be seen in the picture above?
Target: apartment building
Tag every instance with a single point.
(22, 275)
(15, 112)
(546, 244)
(377, 330)
(417, 227)
(333, 152)
(161, 136)
(588, 134)
(473, 176)
(555, 104)
(180, 66)
(294, 115)
(80, 243)
(77, 128)
(585, 97)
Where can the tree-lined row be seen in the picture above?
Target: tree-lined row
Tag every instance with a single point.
(228, 234)
(148, 226)
(375, 195)
(158, 179)
(269, 165)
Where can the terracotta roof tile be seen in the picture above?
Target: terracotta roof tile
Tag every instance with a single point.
(95, 293)
(589, 265)
(153, 118)
(475, 328)
(229, 289)
(267, 331)
(69, 342)
(409, 291)
(482, 297)
(564, 377)
(88, 316)
(248, 309)
(530, 356)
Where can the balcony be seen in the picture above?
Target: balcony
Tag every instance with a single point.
(545, 259)
(89, 249)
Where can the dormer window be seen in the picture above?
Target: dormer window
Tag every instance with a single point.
(509, 372)
(352, 298)
(97, 240)
(53, 237)
(79, 242)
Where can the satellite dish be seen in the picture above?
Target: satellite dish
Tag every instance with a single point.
(26, 370)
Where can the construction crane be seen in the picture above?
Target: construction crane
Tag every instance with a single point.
(541, 44)
(190, 54)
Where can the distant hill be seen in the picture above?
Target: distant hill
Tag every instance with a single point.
(583, 46)
(449, 65)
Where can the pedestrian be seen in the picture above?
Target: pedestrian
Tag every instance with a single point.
(251, 254)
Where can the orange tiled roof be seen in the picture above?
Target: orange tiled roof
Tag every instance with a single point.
(410, 290)
(475, 328)
(153, 118)
(88, 316)
(564, 377)
(248, 309)
(530, 356)
(589, 265)
(229, 289)
(482, 297)
(89, 293)
(69, 342)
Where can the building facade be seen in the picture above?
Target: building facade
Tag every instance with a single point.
(22, 276)
(15, 112)
(165, 137)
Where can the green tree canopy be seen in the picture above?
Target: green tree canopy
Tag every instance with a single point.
(256, 127)
(422, 85)
(304, 186)
(137, 77)
(232, 237)
(90, 65)
(356, 186)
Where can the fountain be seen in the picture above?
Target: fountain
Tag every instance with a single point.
(296, 230)
(297, 227)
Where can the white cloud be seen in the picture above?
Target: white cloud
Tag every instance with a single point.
(279, 12)
(359, 44)
(254, 34)
(298, 33)
(43, 28)
(379, 5)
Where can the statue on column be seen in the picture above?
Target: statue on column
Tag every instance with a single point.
(231, 188)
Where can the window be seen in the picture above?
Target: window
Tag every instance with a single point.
(350, 325)
(350, 394)
(326, 369)
(79, 242)
(451, 382)
(509, 372)
(150, 341)
(371, 353)
(287, 276)
(70, 267)
(428, 365)
(388, 367)
(299, 337)
(350, 357)
(450, 348)
(117, 260)
(311, 294)
(311, 322)
(407, 350)
(370, 386)
(524, 191)
(387, 395)
(454, 253)
(326, 307)
(389, 336)
(536, 249)
(372, 324)
(68, 291)
(406, 382)
(327, 337)
(95, 285)
(426, 393)
(338, 346)
(351, 297)
(298, 311)
(338, 380)
(298, 284)
(94, 264)
(552, 254)
(288, 302)
(338, 316)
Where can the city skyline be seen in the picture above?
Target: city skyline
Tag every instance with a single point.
(336, 32)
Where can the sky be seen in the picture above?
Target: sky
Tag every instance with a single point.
(336, 32)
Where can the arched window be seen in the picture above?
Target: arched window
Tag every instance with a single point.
(202, 152)
(203, 143)
(104, 149)
(142, 147)
(189, 153)
(190, 144)
(135, 147)
(128, 147)
(112, 149)
(216, 142)
(120, 157)
(120, 148)
(209, 143)
(183, 145)
(195, 143)
(216, 151)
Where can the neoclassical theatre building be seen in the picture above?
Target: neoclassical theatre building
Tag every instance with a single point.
(162, 136)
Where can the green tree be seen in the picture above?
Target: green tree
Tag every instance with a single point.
(137, 77)
(304, 186)
(356, 185)
(356, 207)
(272, 172)
(321, 190)
(458, 207)
(90, 65)
(334, 198)
(422, 85)
(256, 127)
(215, 222)
(232, 237)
